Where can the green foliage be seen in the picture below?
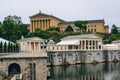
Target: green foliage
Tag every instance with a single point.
(114, 29)
(111, 38)
(39, 33)
(81, 25)
(5, 47)
(69, 29)
(1, 47)
(53, 29)
(12, 28)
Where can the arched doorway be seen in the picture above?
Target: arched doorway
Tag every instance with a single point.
(14, 68)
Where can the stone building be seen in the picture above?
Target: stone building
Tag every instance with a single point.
(76, 49)
(112, 51)
(32, 45)
(45, 21)
(23, 66)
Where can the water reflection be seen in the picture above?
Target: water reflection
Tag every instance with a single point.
(101, 71)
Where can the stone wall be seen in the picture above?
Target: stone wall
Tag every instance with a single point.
(24, 63)
(75, 57)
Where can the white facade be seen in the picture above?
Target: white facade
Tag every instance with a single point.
(31, 45)
(76, 49)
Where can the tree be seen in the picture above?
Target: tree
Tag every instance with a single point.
(69, 29)
(5, 47)
(13, 28)
(114, 29)
(1, 47)
(81, 25)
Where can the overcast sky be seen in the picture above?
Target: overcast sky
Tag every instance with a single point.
(68, 10)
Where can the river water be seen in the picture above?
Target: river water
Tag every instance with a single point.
(101, 71)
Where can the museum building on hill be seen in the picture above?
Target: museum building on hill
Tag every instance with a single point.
(45, 21)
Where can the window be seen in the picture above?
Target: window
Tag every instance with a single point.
(94, 30)
(94, 25)
(91, 30)
(32, 71)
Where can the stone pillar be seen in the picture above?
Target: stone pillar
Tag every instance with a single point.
(31, 26)
(88, 45)
(49, 23)
(38, 23)
(84, 44)
(98, 44)
(42, 24)
(39, 46)
(91, 45)
(34, 25)
(95, 44)
(46, 24)
(81, 45)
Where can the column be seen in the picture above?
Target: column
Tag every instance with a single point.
(81, 45)
(49, 23)
(88, 45)
(84, 44)
(91, 45)
(38, 24)
(34, 25)
(98, 44)
(42, 24)
(29, 46)
(31, 26)
(95, 44)
(46, 24)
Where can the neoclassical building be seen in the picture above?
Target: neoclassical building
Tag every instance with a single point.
(76, 49)
(32, 45)
(45, 21)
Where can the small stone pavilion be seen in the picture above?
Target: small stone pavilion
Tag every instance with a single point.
(29, 64)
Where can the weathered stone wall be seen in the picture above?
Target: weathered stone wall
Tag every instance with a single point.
(75, 57)
(41, 66)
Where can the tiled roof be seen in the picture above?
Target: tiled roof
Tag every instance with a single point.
(89, 21)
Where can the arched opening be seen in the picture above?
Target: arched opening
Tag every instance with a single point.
(14, 68)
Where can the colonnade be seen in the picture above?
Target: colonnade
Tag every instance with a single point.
(90, 45)
(42, 24)
(33, 46)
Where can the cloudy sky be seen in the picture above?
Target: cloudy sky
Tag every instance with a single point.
(69, 10)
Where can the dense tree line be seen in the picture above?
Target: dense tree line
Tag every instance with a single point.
(8, 47)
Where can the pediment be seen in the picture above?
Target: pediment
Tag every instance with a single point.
(40, 15)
